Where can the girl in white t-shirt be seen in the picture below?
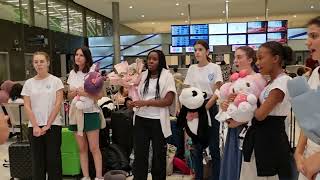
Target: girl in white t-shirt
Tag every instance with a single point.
(151, 121)
(307, 154)
(266, 149)
(43, 97)
(92, 122)
(206, 76)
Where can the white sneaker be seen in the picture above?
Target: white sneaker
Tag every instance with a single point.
(86, 178)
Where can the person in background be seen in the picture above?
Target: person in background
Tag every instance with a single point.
(245, 59)
(92, 121)
(43, 97)
(207, 77)
(4, 129)
(266, 149)
(152, 118)
(121, 95)
(307, 154)
(15, 94)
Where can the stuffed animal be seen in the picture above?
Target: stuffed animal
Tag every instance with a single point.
(107, 106)
(193, 115)
(248, 88)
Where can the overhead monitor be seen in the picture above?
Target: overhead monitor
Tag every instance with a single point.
(218, 28)
(279, 37)
(199, 29)
(178, 30)
(297, 33)
(194, 39)
(257, 38)
(175, 50)
(190, 49)
(215, 40)
(237, 28)
(257, 27)
(277, 26)
(237, 39)
(180, 41)
(254, 46)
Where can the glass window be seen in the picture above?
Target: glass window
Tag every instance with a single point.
(107, 26)
(58, 15)
(10, 10)
(40, 13)
(99, 26)
(91, 24)
(75, 20)
(25, 11)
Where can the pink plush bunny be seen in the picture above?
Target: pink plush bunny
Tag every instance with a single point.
(248, 88)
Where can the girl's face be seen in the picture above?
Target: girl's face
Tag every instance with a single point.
(79, 58)
(266, 61)
(313, 41)
(200, 53)
(40, 63)
(153, 61)
(241, 60)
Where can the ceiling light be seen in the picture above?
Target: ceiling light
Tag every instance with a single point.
(182, 14)
(186, 21)
(152, 23)
(24, 4)
(294, 16)
(130, 7)
(257, 18)
(223, 12)
(227, 1)
(177, 4)
(142, 15)
(12, 1)
(220, 20)
(42, 3)
(312, 6)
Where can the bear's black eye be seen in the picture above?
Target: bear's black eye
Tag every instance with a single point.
(233, 90)
(248, 84)
(194, 93)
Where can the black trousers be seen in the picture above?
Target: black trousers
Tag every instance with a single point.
(46, 154)
(145, 130)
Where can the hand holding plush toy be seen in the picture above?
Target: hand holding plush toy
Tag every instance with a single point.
(248, 88)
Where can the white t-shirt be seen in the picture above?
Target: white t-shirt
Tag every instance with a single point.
(149, 111)
(204, 78)
(76, 80)
(42, 95)
(283, 108)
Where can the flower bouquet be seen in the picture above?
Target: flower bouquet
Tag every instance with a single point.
(128, 76)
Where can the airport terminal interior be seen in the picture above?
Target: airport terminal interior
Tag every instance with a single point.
(159, 89)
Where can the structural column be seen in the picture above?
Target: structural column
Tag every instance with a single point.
(116, 32)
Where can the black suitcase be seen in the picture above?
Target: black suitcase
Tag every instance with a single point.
(20, 160)
(121, 125)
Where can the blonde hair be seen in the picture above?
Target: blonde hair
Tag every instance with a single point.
(43, 54)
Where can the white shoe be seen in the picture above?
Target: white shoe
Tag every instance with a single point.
(86, 178)
(99, 178)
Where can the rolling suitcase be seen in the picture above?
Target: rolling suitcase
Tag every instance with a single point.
(20, 160)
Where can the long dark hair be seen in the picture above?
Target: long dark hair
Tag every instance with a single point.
(205, 45)
(162, 65)
(15, 92)
(87, 55)
(285, 53)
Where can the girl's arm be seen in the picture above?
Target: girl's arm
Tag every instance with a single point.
(28, 110)
(56, 109)
(166, 101)
(298, 154)
(275, 96)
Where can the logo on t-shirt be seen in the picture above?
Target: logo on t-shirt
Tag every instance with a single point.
(48, 86)
(211, 77)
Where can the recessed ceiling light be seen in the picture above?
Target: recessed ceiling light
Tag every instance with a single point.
(227, 1)
(257, 18)
(294, 16)
(312, 6)
(142, 15)
(186, 21)
(223, 12)
(152, 23)
(182, 14)
(130, 7)
(220, 20)
(177, 4)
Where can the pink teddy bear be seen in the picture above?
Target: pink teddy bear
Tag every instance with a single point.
(248, 88)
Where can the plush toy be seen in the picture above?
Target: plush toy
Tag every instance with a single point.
(107, 106)
(304, 101)
(248, 88)
(193, 115)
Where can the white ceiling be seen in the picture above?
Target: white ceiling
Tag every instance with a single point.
(167, 11)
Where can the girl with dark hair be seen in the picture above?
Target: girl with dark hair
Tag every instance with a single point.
(245, 59)
(207, 77)
(152, 118)
(266, 150)
(307, 154)
(92, 121)
(15, 94)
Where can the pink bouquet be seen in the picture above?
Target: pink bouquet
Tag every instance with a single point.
(128, 76)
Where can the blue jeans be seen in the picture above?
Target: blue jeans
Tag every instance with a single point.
(197, 150)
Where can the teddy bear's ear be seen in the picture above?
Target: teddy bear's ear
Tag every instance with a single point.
(194, 93)
(204, 95)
